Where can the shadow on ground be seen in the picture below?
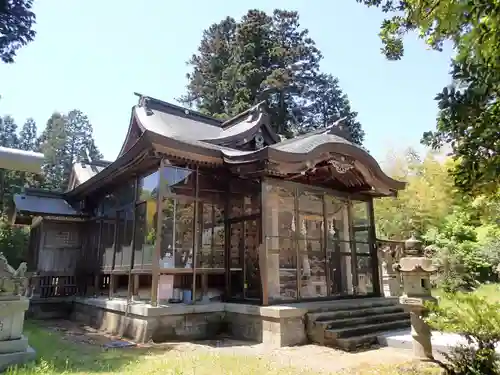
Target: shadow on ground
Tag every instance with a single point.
(62, 347)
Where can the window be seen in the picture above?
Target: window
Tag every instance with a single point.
(146, 220)
(280, 243)
(317, 244)
(311, 248)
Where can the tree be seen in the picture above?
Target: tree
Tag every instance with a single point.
(16, 22)
(469, 118)
(27, 136)
(52, 143)
(261, 57)
(67, 139)
(327, 104)
(428, 198)
(8, 132)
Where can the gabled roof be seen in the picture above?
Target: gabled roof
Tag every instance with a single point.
(82, 172)
(35, 202)
(182, 134)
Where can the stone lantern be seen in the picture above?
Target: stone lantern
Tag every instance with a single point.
(416, 270)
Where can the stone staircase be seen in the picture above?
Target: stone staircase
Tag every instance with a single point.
(355, 324)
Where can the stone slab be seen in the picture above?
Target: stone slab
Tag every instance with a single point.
(441, 342)
(13, 346)
(19, 358)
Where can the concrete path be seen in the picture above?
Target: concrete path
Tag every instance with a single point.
(441, 342)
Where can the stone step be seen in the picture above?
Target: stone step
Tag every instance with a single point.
(351, 344)
(351, 305)
(363, 320)
(365, 329)
(353, 313)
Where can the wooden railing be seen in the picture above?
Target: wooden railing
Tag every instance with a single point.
(53, 285)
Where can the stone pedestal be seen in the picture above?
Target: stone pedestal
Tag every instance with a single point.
(415, 272)
(14, 348)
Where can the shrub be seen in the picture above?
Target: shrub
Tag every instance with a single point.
(476, 319)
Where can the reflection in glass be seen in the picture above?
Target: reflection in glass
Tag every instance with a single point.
(337, 218)
(360, 213)
(179, 181)
(149, 187)
(346, 286)
(108, 242)
(211, 254)
(146, 221)
(365, 275)
(177, 233)
(313, 270)
(125, 230)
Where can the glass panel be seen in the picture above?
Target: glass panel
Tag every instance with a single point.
(124, 195)
(177, 233)
(244, 198)
(148, 187)
(360, 214)
(94, 241)
(362, 248)
(253, 287)
(339, 246)
(313, 270)
(126, 228)
(337, 218)
(211, 254)
(311, 226)
(236, 260)
(140, 233)
(146, 221)
(282, 274)
(279, 220)
(361, 234)
(365, 275)
(311, 203)
(346, 285)
(108, 242)
(180, 181)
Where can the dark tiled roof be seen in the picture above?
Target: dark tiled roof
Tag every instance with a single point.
(44, 204)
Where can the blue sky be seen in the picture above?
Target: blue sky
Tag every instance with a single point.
(92, 55)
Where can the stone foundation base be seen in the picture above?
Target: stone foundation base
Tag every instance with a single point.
(276, 326)
(16, 358)
(50, 308)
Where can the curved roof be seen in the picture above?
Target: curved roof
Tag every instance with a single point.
(182, 134)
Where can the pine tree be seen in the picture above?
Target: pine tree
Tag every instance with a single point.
(27, 135)
(67, 139)
(326, 103)
(260, 57)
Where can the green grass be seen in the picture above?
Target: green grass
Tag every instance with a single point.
(57, 356)
(490, 292)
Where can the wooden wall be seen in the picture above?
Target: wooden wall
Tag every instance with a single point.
(59, 248)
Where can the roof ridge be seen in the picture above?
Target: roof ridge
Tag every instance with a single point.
(167, 107)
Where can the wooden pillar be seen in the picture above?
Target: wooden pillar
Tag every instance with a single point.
(354, 261)
(263, 256)
(130, 287)
(377, 290)
(135, 287)
(196, 235)
(155, 276)
(98, 265)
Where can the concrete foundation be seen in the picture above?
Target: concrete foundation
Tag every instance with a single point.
(273, 325)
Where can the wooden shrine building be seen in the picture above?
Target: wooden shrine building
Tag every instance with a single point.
(197, 210)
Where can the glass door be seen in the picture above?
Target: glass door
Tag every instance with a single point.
(243, 253)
